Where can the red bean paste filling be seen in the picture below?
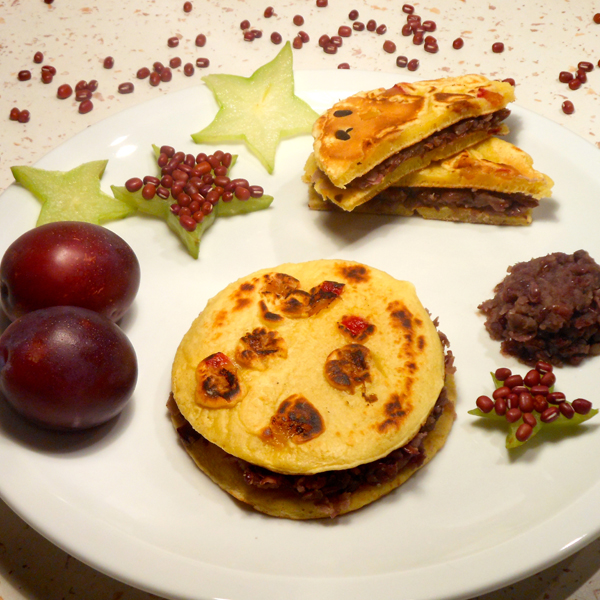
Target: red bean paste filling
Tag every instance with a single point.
(440, 138)
(511, 205)
(548, 309)
(332, 489)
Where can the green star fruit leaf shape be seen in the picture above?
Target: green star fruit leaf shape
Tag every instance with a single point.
(73, 195)
(260, 110)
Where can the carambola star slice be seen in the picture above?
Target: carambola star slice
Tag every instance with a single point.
(260, 110)
(73, 195)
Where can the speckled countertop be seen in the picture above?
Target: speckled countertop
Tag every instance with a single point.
(541, 38)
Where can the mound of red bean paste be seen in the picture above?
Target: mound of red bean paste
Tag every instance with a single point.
(548, 309)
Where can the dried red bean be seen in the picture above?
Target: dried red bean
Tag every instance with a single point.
(523, 432)
(166, 75)
(298, 20)
(513, 415)
(14, 114)
(497, 47)
(543, 367)
(188, 69)
(431, 48)
(550, 414)
(526, 402)
(158, 67)
(532, 378)
(502, 374)
(581, 406)
(540, 404)
(345, 31)
(242, 193)
(565, 76)
(336, 40)
(413, 64)
(126, 88)
(92, 85)
(173, 42)
(304, 37)
(149, 191)
(556, 397)
(343, 66)
(501, 392)
(566, 409)
(581, 75)
(418, 39)
(85, 107)
(24, 75)
(245, 24)
(574, 84)
(134, 184)
(513, 400)
(64, 91)
(548, 379)
(24, 116)
(401, 61)
(154, 79)
(248, 35)
(109, 62)
(175, 62)
(202, 63)
(381, 29)
(324, 40)
(458, 43)
(542, 390)
(47, 77)
(81, 95)
(257, 33)
(256, 191)
(162, 192)
(353, 15)
(269, 12)
(406, 30)
(200, 40)
(529, 419)
(513, 380)
(297, 42)
(371, 25)
(38, 58)
(330, 49)
(187, 7)
(143, 73)
(500, 407)
(322, 3)
(276, 37)
(49, 69)
(409, 9)
(389, 46)
(429, 26)
(584, 65)
(597, 18)
(358, 26)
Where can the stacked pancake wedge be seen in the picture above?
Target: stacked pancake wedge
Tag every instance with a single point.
(401, 151)
(312, 389)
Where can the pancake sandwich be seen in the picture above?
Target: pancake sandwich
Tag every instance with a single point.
(312, 389)
(367, 142)
(492, 182)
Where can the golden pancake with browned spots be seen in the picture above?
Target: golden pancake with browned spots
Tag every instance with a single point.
(310, 367)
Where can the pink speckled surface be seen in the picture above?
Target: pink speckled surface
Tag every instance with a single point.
(541, 39)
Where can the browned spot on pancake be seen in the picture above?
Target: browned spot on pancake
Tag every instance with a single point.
(255, 348)
(370, 398)
(267, 315)
(420, 342)
(242, 303)
(401, 317)
(300, 304)
(296, 419)
(279, 284)
(348, 367)
(217, 382)
(411, 366)
(354, 273)
(220, 319)
(247, 287)
(295, 304)
(446, 98)
(395, 410)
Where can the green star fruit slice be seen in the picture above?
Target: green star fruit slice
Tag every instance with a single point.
(73, 195)
(259, 110)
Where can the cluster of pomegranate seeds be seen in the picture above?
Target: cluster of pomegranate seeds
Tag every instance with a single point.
(195, 183)
(530, 398)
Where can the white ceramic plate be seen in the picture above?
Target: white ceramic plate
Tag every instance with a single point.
(126, 498)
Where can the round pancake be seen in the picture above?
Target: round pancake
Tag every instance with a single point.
(301, 377)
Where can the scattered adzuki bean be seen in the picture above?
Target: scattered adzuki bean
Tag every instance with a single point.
(322, 3)
(109, 62)
(389, 46)
(353, 15)
(413, 64)
(298, 20)
(330, 49)
(581, 406)
(49, 69)
(269, 12)
(345, 31)
(276, 37)
(584, 65)
(47, 77)
(343, 66)
(409, 9)
(358, 26)
(143, 73)
(125, 88)
(85, 107)
(458, 43)
(257, 33)
(202, 63)
(336, 40)
(248, 35)
(429, 26)
(154, 79)
(418, 39)
(381, 29)
(371, 25)
(574, 84)
(297, 42)
(84, 94)
(324, 40)
(64, 91)
(245, 24)
(401, 61)
(200, 40)
(497, 47)
(166, 75)
(430, 47)
(24, 75)
(187, 7)
(24, 116)
(173, 42)
(92, 85)
(175, 62)
(38, 58)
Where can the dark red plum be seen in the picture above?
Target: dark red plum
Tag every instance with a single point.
(69, 263)
(66, 368)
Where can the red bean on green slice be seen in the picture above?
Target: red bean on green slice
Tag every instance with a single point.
(530, 419)
(581, 406)
(550, 414)
(500, 407)
(526, 402)
(187, 222)
(242, 193)
(540, 404)
(162, 192)
(532, 378)
(256, 191)
(502, 374)
(148, 191)
(513, 380)
(523, 432)
(501, 392)
(151, 179)
(542, 390)
(513, 415)
(134, 184)
(513, 400)
(566, 409)
(548, 379)
(556, 398)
